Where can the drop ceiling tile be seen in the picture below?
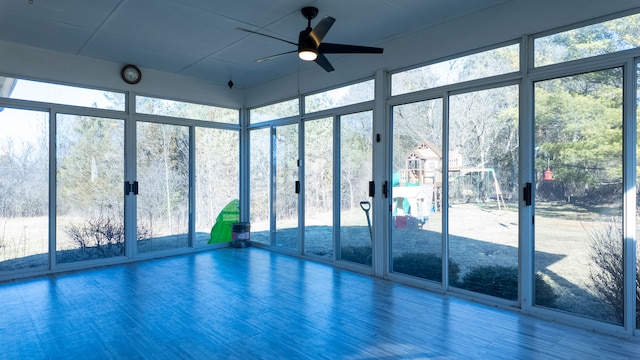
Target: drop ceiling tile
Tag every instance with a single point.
(438, 11)
(220, 71)
(166, 23)
(112, 48)
(80, 13)
(255, 13)
(43, 33)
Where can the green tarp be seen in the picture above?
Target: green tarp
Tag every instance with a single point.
(221, 230)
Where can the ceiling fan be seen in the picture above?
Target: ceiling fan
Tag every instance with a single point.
(310, 45)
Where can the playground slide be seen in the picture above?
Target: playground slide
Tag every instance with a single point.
(221, 230)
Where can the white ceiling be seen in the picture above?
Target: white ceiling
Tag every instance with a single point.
(199, 38)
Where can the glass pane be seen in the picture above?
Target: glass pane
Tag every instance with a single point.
(597, 39)
(163, 176)
(24, 189)
(483, 192)
(90, 200)
(186, 110)
(60, 94)
(578, 223)
(259, 184)
(318, 191)
(275, 111)
(356, 157)
(217, 163)
(416, 230)
(488, 63)
(285, 153)
(346, 95)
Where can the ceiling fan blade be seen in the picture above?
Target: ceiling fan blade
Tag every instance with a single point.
(327, 48)
(275, 56)
(269, 36)
(321, 29)
(324, 63)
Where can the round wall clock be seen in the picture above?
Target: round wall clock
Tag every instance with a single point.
(131, 74)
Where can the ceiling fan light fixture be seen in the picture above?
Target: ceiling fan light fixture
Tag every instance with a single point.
(310, 45)
(307, 54)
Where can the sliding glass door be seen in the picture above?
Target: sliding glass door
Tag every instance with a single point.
(260, 185)
(217, 178)
(356, 212)
(286, 186)
(90, 200)
(416, 191)
(24, 189)
(163, 177)
(578, 213)
(483, 178)
(318, 189)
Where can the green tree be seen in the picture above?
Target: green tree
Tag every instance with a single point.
(356, 132)
(597, 39)
(163, 174)
(579, 129)
(285, 152)
(260, 145)
(318, 165)
(90, 164)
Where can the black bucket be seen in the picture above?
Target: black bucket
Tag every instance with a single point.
(240, 234)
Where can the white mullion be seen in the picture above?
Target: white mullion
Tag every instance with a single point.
(244, 166)
(380, 158)
(52, 189)
(130, 209)
(629, 201)
(526, 240)
(337, 149)
(192, 187)
(445, 191)
(300, 195)
(272, 187)
(301, 192)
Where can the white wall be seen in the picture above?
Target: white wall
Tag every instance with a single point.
(507, 21)
(35, 63)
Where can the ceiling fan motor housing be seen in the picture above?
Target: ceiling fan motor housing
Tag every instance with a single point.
(306, 42)
(309, 13)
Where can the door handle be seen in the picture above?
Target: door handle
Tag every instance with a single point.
(526, 194)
